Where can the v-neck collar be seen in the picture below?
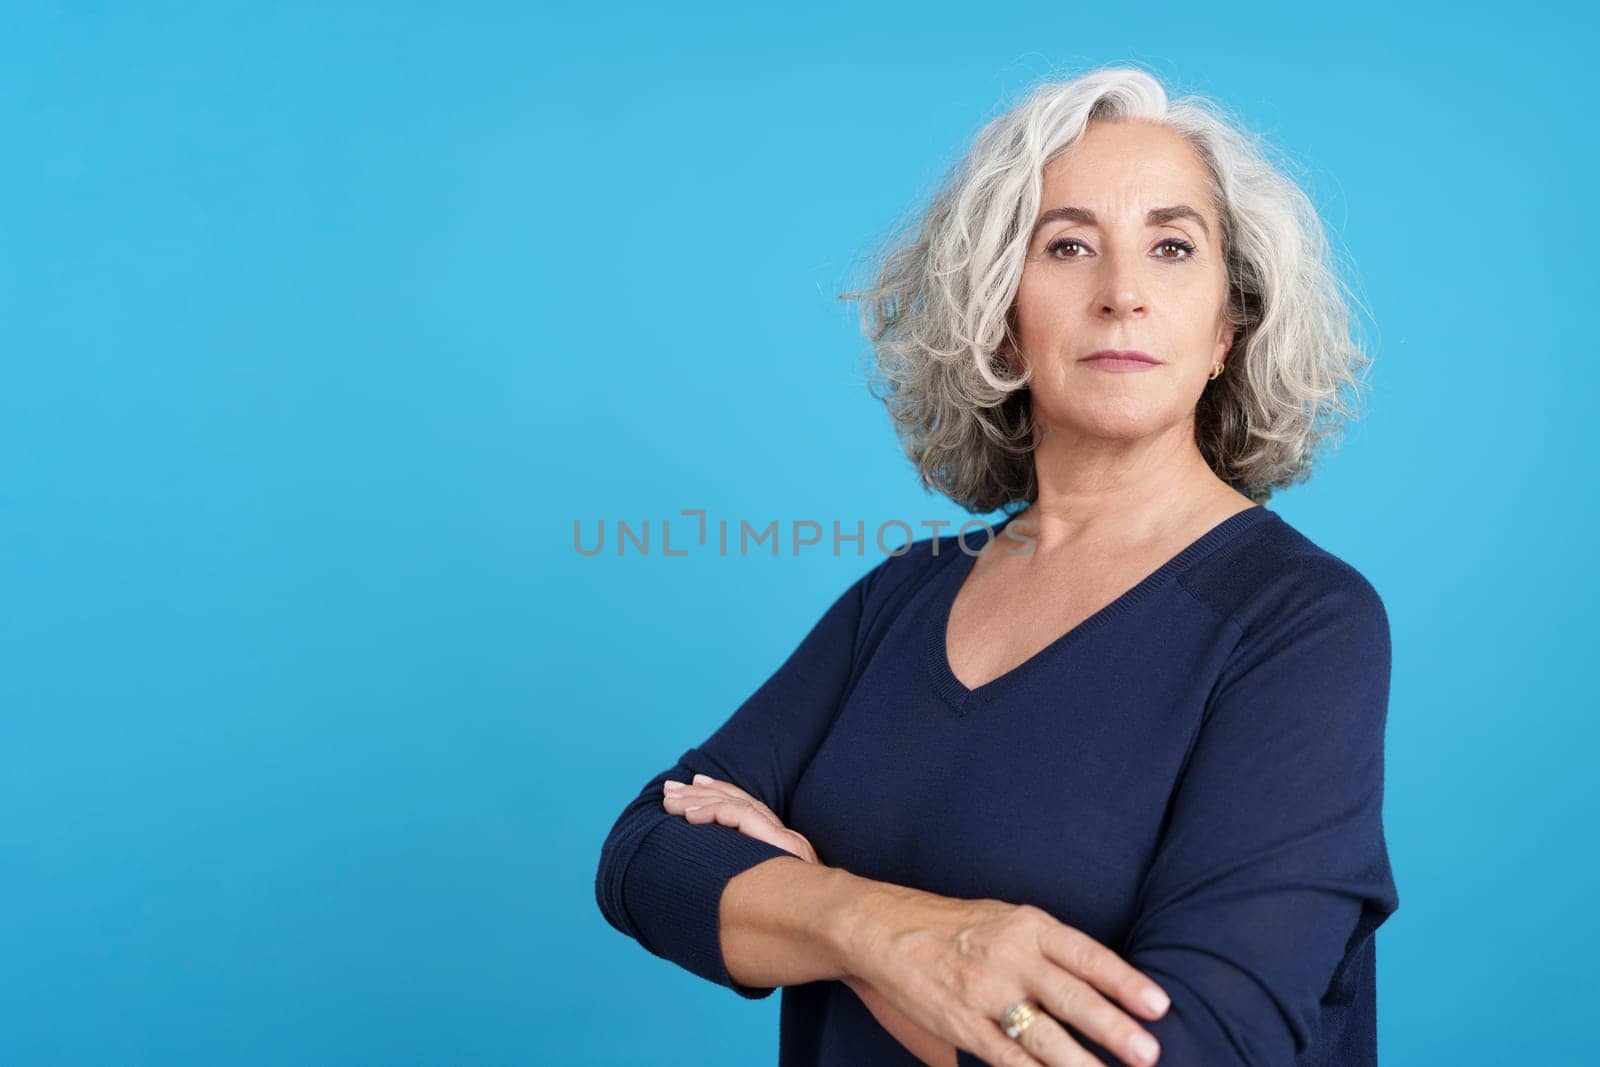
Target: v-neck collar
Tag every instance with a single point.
(954, 574)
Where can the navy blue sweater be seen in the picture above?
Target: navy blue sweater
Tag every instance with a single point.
(1193, 776)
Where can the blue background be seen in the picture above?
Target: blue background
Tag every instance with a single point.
(323, 327)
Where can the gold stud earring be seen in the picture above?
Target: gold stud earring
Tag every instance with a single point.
(1216, 369)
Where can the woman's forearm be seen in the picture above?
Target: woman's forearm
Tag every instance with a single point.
(784, 923)
(780, 922)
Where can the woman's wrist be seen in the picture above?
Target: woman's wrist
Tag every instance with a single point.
(782, 922)
(855, 918)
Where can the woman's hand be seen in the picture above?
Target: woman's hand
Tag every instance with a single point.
(954, 966)
(713, 800)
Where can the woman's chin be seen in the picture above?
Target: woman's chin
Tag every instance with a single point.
(1122, 416)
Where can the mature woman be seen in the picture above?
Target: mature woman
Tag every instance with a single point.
(1111, 782)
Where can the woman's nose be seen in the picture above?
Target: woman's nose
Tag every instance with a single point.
(1121, 293)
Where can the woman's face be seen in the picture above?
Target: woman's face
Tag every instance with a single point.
(1110, 267)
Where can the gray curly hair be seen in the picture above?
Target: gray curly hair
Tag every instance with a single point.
(942, 302)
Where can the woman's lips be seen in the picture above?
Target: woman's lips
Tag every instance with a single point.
(1119, 362)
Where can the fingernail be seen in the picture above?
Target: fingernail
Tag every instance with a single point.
(1145, 1048)
(702, 778)
(670, 784)
(1157, 1000)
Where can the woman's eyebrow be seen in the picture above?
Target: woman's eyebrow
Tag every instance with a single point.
(1157, 216)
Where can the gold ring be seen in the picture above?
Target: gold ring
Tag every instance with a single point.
(1019, 1017)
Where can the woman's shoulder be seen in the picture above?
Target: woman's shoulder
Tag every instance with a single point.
(1277, 576)
(903, 569)
(893, 581)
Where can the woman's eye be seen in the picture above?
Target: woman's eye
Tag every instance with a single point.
(1062, 242)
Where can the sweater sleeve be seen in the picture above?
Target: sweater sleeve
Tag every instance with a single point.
(660, 878)
(1272, 872)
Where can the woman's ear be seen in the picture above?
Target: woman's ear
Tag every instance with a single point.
(1225, 340)
(1225, 333)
